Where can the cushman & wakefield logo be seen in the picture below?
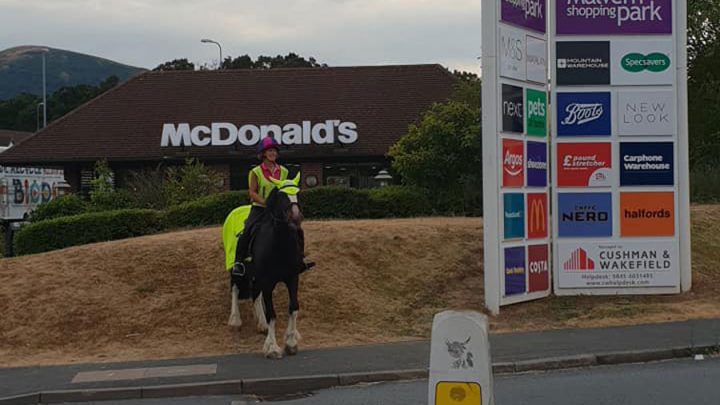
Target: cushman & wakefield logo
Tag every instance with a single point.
(637, 62)
(579, 261)
(226, 134)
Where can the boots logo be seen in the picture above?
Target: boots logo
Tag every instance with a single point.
(578, 114)
(637, 62)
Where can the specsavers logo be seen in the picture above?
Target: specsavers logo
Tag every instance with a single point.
(637, 62)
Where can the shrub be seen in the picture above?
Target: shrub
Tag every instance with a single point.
(705, 185)
(191, 182)
(146, 188)
(335, 202)
(64, 206)
(86, 228)
(210, 210)
(398, 202)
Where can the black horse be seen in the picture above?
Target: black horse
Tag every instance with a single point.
(277, 254)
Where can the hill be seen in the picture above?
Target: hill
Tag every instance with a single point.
(165, 296)
(21, 70)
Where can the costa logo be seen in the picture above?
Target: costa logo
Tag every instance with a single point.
(584, 114)
(584, 164)
(585, 214)
(537, 216)
(513, 163)
(538, 268)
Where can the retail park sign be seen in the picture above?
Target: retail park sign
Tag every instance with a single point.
(226, 134)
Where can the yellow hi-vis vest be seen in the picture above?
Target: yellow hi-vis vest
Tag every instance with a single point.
(265, 186)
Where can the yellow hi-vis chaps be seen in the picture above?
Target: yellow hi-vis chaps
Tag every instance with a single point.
(232, 228)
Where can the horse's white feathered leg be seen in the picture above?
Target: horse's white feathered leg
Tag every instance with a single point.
(259, 307)
(271, 348)
(292, 336)
(235, 320)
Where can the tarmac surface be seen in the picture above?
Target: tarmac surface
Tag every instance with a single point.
(251, 374)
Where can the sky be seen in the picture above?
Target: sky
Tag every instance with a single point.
(146, 33)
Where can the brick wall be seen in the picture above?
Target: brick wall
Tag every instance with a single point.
(312, 169)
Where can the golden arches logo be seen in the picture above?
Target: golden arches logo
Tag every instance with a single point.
(537, 220)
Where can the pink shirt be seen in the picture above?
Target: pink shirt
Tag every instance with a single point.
(268, 173)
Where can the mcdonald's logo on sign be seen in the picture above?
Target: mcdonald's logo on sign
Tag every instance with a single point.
(537, 216)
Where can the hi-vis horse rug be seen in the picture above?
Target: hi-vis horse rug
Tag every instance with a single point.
(232, 228)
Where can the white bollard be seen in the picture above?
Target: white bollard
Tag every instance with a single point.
(460, 366)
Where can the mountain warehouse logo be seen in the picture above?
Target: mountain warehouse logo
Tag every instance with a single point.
(637, 62)
(226, 134)
(578, 114)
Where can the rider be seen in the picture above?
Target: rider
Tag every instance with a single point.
(260, 187)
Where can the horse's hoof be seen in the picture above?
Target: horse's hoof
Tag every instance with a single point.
(291, 350)
(235, 323)
(274, 355)
(262, 329)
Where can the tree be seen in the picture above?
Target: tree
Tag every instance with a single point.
(175, 64)
(704, 82)
(291, 60)
(468, 90)
(442, 154)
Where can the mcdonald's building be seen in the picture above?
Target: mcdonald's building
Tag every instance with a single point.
(334, 124)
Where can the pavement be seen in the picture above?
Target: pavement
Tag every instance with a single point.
(251, 374)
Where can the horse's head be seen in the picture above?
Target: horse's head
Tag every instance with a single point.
(283, 202)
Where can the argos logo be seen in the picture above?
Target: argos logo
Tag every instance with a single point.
(513, 163)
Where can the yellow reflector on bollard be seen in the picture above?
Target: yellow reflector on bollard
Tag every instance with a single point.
(458, 393)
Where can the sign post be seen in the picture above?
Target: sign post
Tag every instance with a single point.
(515, 114)
(460, 365)
(619, 148)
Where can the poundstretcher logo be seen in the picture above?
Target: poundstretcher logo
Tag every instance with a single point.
(226, 134)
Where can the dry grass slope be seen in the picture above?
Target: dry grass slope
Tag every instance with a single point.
(166, 295)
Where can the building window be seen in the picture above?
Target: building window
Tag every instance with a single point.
(355, 175)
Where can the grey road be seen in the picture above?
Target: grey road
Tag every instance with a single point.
(666, 383)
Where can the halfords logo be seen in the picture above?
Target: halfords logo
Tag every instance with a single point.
(620, 11)
(647, 214)
(637, 62)
(579, 260)
(513, 163)
(537, 221)
(578, 114)
(226, 134)
(582, 161)
(531, 8)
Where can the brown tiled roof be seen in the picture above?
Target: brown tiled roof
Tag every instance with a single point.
(7, 136)
(125, 124)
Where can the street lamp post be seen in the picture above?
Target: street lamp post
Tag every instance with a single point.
(210, 41)
(44, 91)
(37, 116)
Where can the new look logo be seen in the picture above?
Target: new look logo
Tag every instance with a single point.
(584, 114)
(647, 113)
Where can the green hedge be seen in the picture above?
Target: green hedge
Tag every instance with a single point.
(348, 203)
(398, 202)
(64, 206)
(81, 229)
(210, 210)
